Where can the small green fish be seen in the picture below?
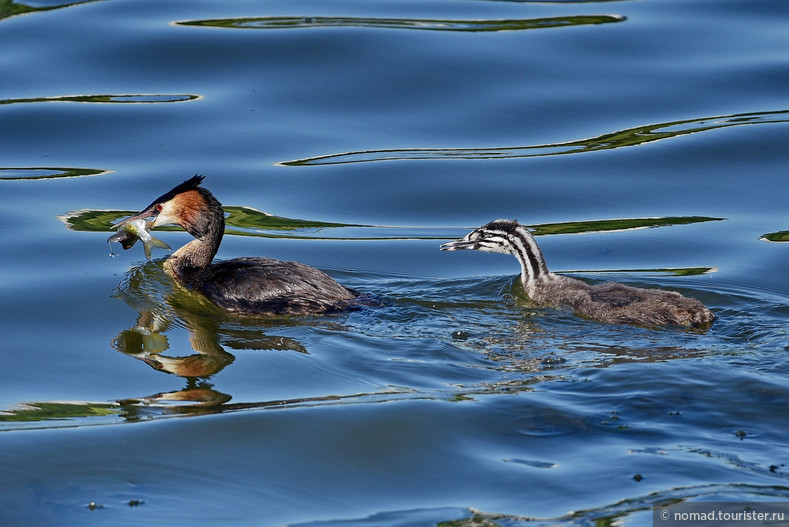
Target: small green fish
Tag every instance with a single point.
(131, 231)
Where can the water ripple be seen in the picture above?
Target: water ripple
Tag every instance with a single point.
(141, 98)
(555, 2)
(636, 136)
(404, 23)
(11, 9)
(193, 401)
(484, 331)
(27, 173)
(625, 511)
(775, 237)
(247, 221)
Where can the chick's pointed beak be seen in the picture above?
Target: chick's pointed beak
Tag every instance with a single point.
(458, 245)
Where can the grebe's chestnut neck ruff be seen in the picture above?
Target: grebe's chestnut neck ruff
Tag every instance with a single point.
(608, 302)
(244, 285)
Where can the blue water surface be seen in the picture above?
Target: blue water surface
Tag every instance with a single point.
(392, 127)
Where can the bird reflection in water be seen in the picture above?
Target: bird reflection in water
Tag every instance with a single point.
(162, 303)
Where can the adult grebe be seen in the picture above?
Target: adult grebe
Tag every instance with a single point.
(243, 285)
(608, 302)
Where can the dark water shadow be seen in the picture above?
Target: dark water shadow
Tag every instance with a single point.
(194, 399)
(403, 23)
(636, 136)
(37, 173)
(614, 225)
(239, 221)
(675, 271)
(9, 8)
(775, 237)
(150, 98)
(247, 221)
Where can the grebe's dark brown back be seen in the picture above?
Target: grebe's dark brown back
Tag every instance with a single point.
(244, 285)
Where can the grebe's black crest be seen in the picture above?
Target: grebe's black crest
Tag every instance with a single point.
(608, 302)
(193, 183)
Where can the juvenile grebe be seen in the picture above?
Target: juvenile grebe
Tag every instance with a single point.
(608, 302)
(243, 285)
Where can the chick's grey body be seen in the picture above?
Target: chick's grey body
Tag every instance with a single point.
(246, 285)
(608, 302)
(616, 303)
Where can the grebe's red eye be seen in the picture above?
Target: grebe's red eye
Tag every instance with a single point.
(159, 207)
